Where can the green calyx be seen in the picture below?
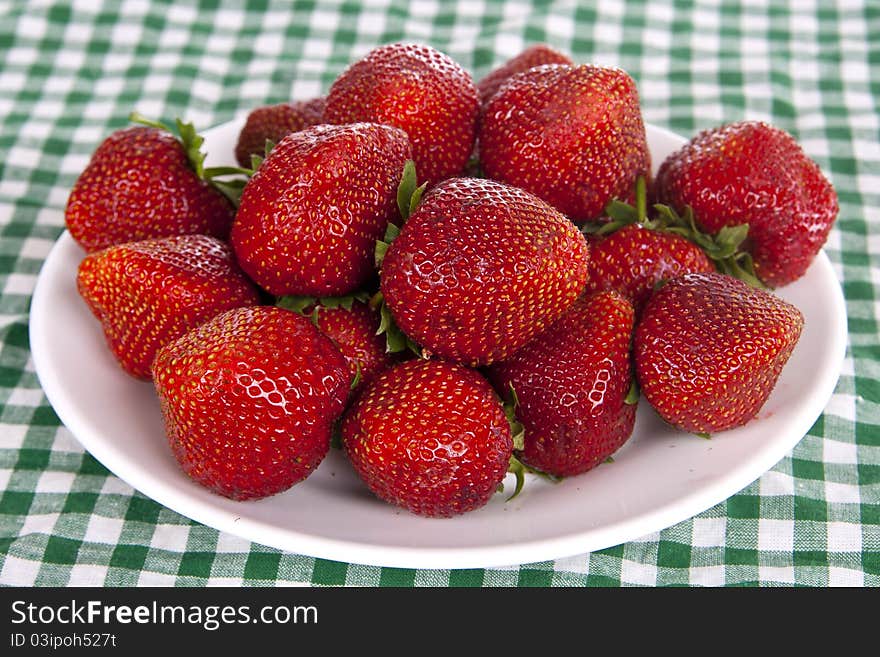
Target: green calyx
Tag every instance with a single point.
(396, 341)
(391, 233)
(724, 248)
(632, 395)
(622, 214)
(409, 192)
(409, 195)
(302, 304)
(517, 432)
(192, 143)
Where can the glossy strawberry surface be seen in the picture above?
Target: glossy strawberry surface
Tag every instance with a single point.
(633, 259)
(355, 331)
(572, 135)
(756, 174)
(147, 293)
(480, 268)
(571, 383)
(709, 349)
(309, 218)
(535, 55)
(273, 123)
(429, 436)
(249, 398)
(420, 90)
(139, 184)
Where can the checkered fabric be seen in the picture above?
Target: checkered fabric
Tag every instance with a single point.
(70, 72)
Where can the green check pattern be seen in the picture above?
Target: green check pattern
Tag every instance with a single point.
(71, 72)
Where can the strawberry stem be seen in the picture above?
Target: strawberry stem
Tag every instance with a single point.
(641, 199)
(137, 117)
(725, 248)
(192, 143)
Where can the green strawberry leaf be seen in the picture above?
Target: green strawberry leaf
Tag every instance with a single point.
(231, 189)
(632, 395)
(391, 233)
(357, 376)
(192, 143)
(519, 470)
(380, 251)
(395, 340)
(409, 193)
(621, 213)
(211, 172)
(297, 304)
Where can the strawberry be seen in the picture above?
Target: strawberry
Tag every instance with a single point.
(572, 135)
(429, 436)
(631, 254)
(148, 293)
(535, 55)
(572, 386)
(633, 259)
(249, 399)
(353, 325)
(420, 90)
(709, 349)
(309, 218)
(272, 123)
(753, 174)
(480, 268)
(143, 182)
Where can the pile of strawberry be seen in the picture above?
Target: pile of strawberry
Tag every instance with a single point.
(453, 280)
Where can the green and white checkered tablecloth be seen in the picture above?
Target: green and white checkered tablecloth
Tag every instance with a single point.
(70, 72)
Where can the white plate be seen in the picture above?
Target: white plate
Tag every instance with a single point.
(659, 478)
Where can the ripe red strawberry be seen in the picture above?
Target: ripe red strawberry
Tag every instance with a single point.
(571, 384)
(353, 325)
(309, 218)
(480, 268)
(420, 90)
(633, 259)
(249, 399)
(709, 349)
(148, 293)
(572, 135)
(632, 253)
(143, 182)
(751, 173)
(273, 122)
(535, 55)
(429, 436)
